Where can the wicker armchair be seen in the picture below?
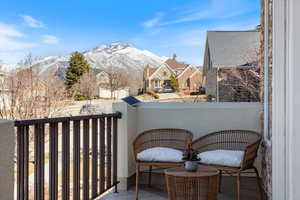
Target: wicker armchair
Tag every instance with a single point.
(247, 141)
(167, 137)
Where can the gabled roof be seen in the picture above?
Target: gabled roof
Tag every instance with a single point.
(174, 64)
(157, 69)
(185, 70)
(198, 70)
(102, 73)
(152, 70)
(230, 48)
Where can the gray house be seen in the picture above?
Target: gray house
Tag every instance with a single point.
(227, 50)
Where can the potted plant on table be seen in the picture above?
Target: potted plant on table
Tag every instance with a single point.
(190, 156)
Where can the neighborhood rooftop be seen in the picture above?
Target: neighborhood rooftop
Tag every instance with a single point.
(174, 64)
(229, 48)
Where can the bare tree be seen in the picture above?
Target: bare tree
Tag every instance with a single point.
(242, 83)
(27, 96)
(118, 78)
(87, 86)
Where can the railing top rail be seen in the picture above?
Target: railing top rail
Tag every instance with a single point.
(62, 119)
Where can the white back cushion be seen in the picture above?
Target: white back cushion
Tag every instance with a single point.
(227, 158)
(160, 154)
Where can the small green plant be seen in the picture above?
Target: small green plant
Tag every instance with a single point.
(190, 155)
(174, 83)
(80, 97)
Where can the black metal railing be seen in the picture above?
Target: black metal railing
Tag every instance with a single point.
(83, 145)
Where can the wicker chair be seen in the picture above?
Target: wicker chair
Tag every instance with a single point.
(167, 137)
(247, 141)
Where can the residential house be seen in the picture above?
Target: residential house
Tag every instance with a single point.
(188, 76)
(227, 50)
(105, 89)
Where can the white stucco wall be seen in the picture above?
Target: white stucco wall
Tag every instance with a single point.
(200, 118)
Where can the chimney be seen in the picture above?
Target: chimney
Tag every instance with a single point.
(174, 56)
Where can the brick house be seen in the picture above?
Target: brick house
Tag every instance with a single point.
(188, 76)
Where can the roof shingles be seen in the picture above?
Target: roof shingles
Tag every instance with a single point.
(232, 48)
(174, 64)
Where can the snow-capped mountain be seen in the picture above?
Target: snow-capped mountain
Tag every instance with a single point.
(119, 55)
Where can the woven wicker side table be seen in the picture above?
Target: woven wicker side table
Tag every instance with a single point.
(200, 185)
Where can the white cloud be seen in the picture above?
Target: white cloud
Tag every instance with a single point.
(50, 39)
(213, 9)
(154, 21)
(10, 44)
(9, 39)
(9, 31)
(187, 42)
(32, 22)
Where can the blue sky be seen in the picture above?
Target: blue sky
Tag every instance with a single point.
(58, 27)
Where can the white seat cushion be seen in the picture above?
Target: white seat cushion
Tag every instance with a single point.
(160, 154)
(226, 158)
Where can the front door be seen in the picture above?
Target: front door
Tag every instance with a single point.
(167, 83)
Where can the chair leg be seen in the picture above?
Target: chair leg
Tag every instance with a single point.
(258, 183)
(238, 182)
(149, 177)
(220, 180)
(137, 181)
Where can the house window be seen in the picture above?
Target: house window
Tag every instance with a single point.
(156, 83)
(165, 73)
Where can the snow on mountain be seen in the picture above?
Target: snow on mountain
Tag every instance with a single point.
(119, 55)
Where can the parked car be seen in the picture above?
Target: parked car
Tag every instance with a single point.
(158, 90)
(167, 90)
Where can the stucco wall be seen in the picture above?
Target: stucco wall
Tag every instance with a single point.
(200, 118)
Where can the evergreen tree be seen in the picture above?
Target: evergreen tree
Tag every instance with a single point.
(174, 83)
(78, 65)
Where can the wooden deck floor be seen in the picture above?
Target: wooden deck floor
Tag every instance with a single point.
(249, 191)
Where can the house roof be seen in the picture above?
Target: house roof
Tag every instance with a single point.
(232, 48)
(174, 64)
(149, 69)
(152, 70)
(198, 70)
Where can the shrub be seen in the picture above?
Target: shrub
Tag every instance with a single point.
(80, 97)
(152, 93)
(174, 83)
(195, 93)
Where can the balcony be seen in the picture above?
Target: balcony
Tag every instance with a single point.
(58, 154)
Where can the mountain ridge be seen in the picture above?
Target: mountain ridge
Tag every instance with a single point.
(118, 54)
